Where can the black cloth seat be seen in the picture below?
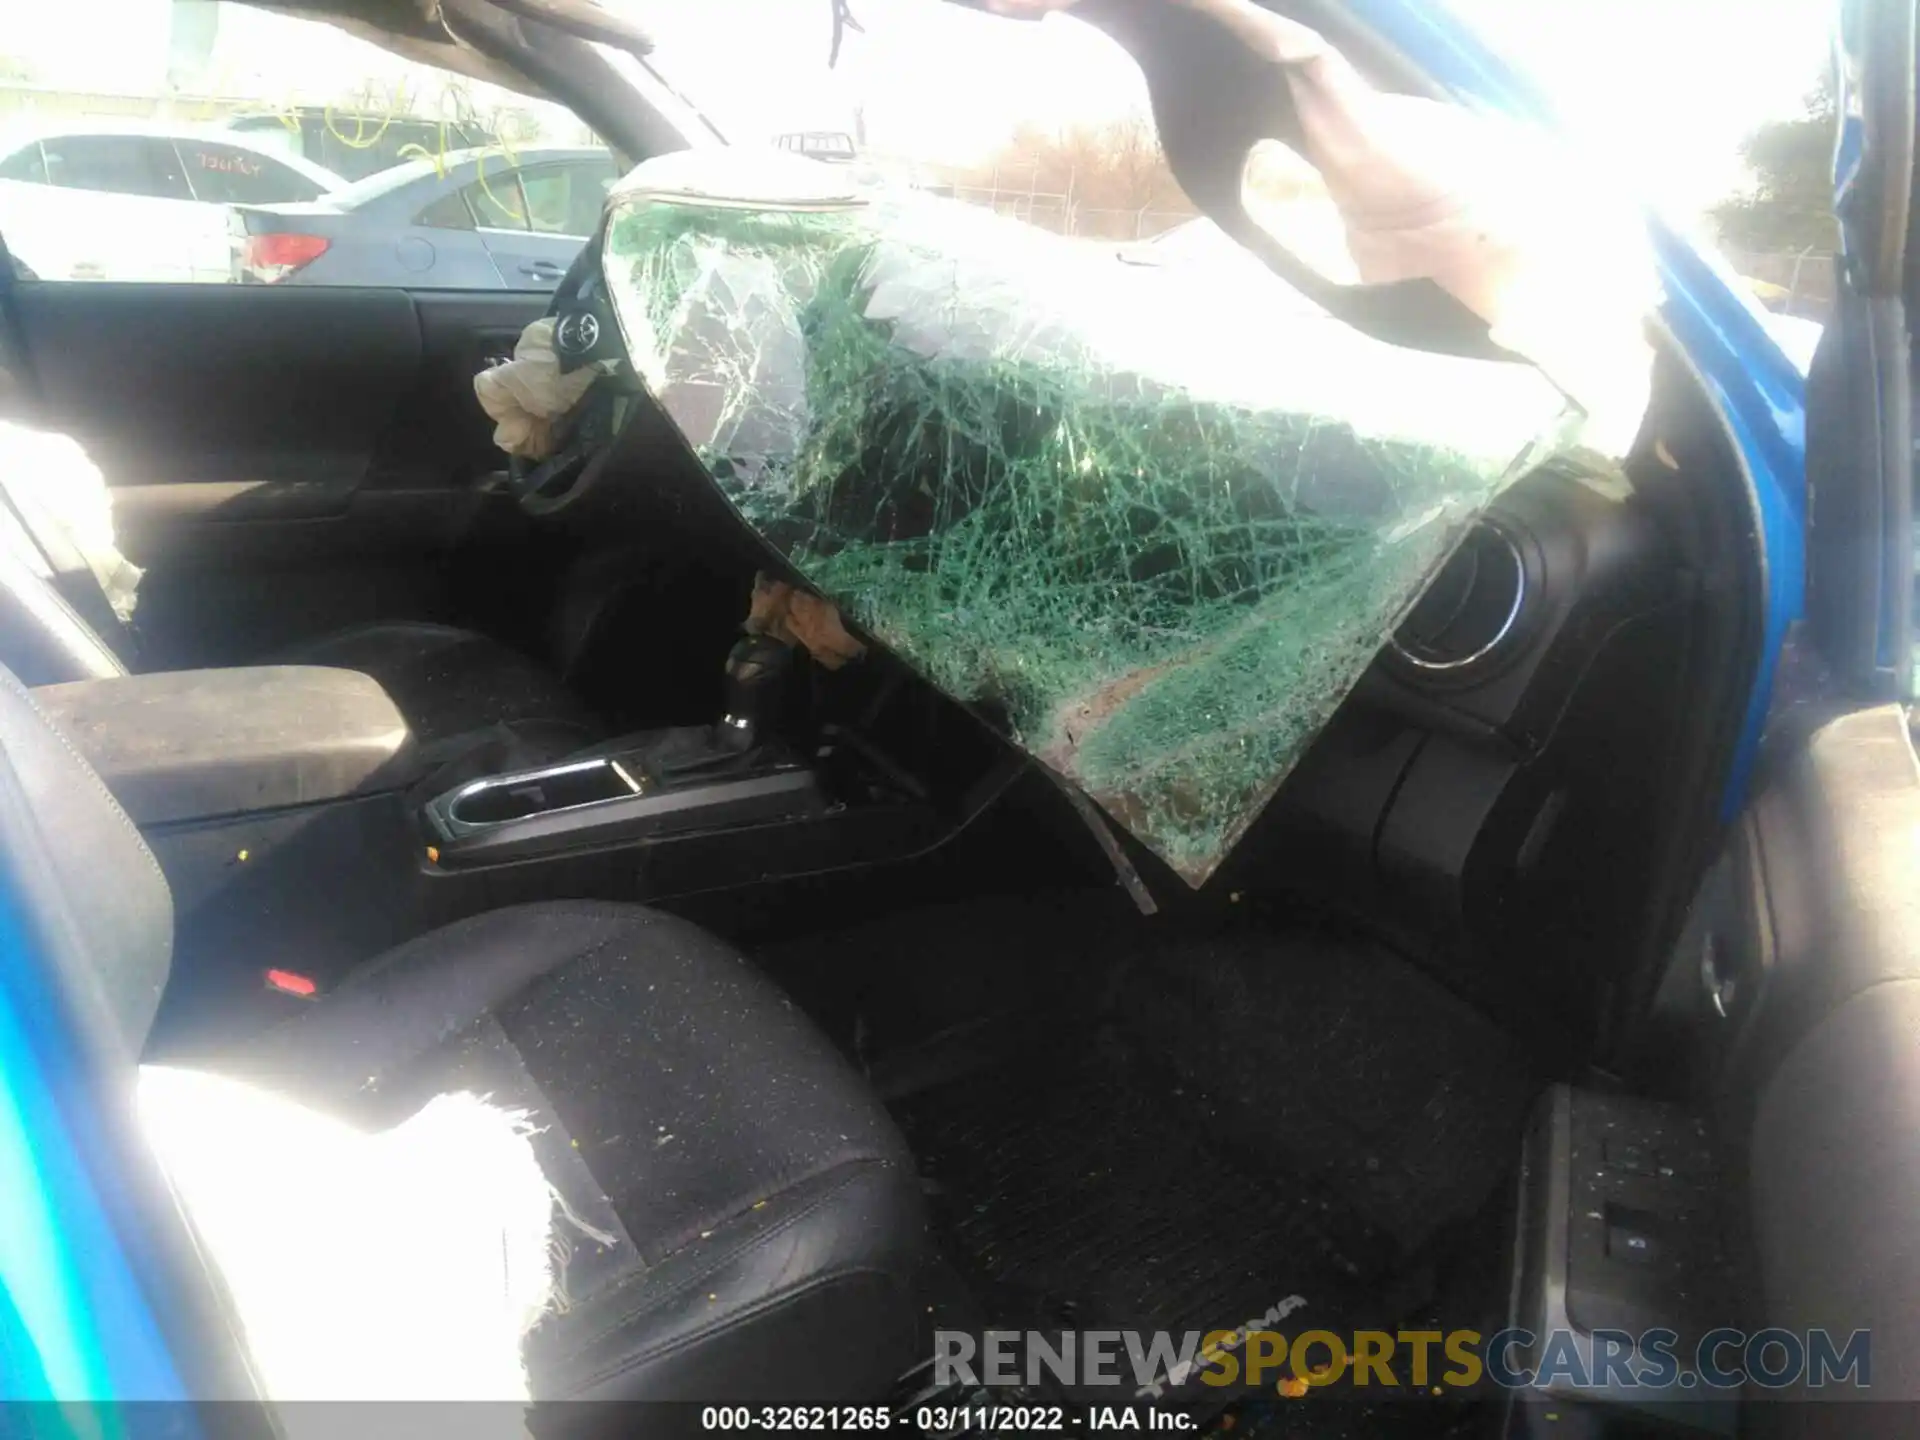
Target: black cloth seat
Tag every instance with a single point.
(447, 682)
(451, 684)
(747, 1222)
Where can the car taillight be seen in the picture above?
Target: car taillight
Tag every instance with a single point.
(267, 258)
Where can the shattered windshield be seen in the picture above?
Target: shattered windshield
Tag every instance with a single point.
(1152, 528)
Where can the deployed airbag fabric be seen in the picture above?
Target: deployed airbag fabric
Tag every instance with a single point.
(527, 395)
(1153, 525)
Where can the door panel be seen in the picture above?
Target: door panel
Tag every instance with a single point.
(284, 461)
(1822, 903)
(1817, 988)
(531, 262)
(1818, 962)
(211, 384)
(439, 435)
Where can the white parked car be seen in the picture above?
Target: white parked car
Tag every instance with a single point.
(130, 201)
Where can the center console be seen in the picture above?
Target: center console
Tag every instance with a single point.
(275, 799)
(668, 782)
(302, 831)
(672, 782)
(678, 811)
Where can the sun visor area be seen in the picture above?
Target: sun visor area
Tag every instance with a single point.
(1527, 230)
(1152, 525)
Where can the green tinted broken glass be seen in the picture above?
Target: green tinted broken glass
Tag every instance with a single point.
(1155, 519)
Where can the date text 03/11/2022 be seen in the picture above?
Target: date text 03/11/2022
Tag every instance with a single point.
(942, 1419)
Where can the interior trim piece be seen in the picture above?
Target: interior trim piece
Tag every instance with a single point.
(1545, 1292)
(230, 500)
(1521, 594)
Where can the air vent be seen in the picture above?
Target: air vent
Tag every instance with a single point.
(1473, 608)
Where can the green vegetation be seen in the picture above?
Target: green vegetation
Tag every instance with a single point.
(1790, 206)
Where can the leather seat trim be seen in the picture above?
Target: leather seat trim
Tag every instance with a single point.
(738, 1319)
(846, 1174)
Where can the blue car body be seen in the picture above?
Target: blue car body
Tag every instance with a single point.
(76, 1308)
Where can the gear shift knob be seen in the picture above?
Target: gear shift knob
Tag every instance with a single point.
(755, 677)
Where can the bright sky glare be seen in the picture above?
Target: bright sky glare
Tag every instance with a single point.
(1669, 85)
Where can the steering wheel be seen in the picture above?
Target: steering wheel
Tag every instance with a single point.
(546, 487)
(585, 332)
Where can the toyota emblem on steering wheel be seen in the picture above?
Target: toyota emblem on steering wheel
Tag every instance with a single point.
(577, 333)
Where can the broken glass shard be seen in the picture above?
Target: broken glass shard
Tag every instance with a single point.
(1155, 519)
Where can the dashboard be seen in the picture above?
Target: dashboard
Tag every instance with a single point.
(1511, 729)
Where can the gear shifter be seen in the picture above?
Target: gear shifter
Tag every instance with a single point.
(756, 675)
(664, 784)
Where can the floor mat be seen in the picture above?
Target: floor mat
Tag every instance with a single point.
(1176, 1125)
(1077, 1193)
(1340, 1062)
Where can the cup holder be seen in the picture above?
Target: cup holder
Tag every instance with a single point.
(615, 800)
(515, 797)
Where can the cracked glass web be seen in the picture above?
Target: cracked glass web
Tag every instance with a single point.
(1153, 518)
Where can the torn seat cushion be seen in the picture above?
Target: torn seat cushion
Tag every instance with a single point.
(740, 1221)
(451, 1206)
